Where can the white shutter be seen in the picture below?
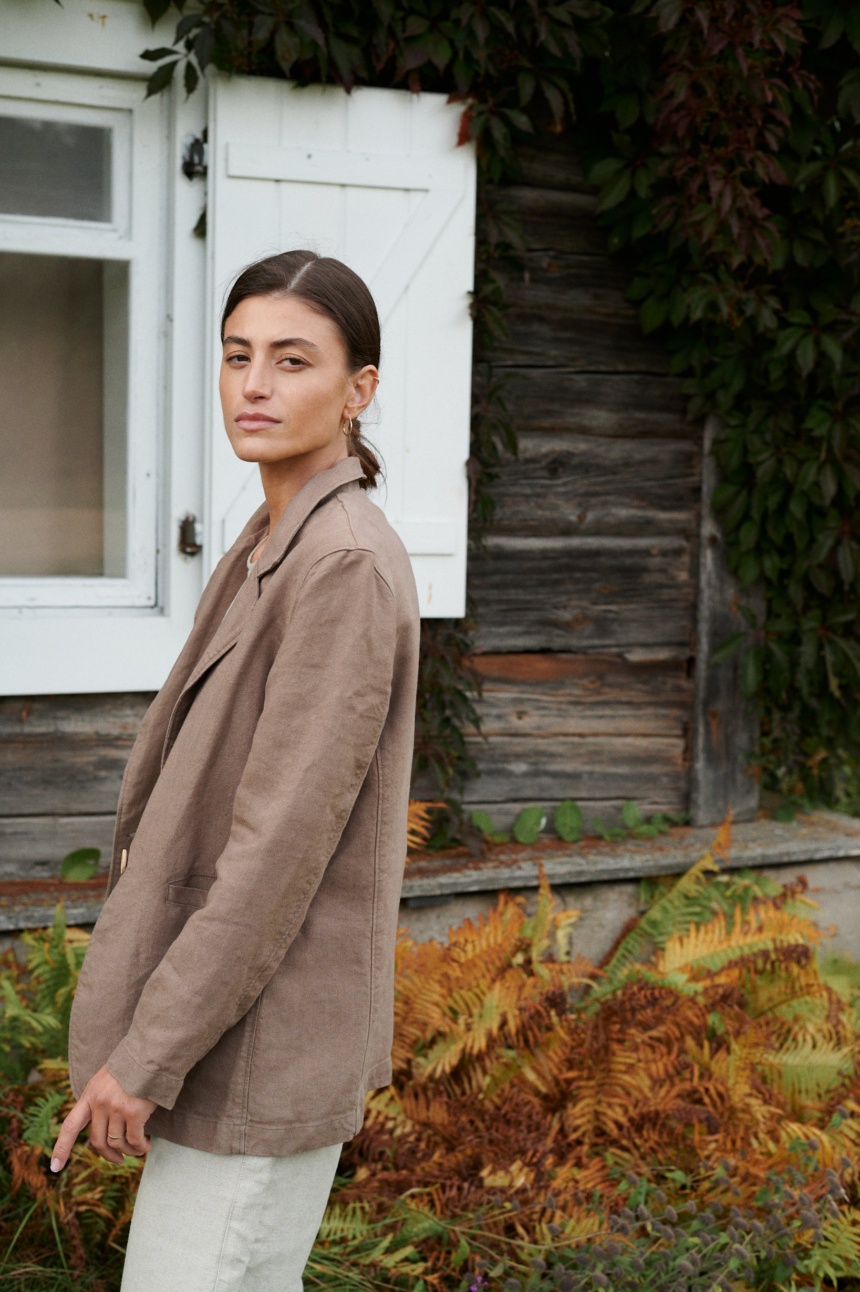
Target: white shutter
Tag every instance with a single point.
(374, 178)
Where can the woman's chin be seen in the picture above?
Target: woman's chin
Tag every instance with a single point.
(255, 450)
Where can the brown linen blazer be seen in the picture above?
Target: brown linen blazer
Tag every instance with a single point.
(240, 973)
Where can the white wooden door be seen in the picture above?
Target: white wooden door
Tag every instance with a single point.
(376, 179)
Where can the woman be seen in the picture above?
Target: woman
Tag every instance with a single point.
(236, 999)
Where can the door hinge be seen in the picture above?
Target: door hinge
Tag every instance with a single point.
(190, 535)
(194, 156)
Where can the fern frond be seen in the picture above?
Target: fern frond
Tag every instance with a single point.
(808, 1069)
(836, 1254)
(419, 823)
(674, 910)
(41, 1125)
(712, 946)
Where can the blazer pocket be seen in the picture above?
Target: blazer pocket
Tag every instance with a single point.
(193, 890)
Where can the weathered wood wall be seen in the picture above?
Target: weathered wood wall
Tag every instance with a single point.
(61, 762)
(586, 592)
(585, 597)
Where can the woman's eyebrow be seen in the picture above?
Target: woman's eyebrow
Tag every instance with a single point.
(294, 341)
(274, 345)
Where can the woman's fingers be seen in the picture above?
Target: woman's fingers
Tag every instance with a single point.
(77, 1119)
(117, 1138)
(99, 1130)
(116, 1120)
(138, 1144)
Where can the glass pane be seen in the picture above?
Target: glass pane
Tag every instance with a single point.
(55, 168)
(63, 361)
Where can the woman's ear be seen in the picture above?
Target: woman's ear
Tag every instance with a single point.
(364, 385)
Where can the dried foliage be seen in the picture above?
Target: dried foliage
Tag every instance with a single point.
(522, 1071)
(46, 1221)
(419, 825)
(689, 1107)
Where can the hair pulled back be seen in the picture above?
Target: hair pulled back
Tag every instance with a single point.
(333, 289)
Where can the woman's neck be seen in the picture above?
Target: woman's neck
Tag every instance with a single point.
(282, 481)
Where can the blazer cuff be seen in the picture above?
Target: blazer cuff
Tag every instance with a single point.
(144, 1083)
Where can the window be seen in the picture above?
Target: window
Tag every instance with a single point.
(79, 281)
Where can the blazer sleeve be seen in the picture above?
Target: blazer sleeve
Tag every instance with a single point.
(326, 700)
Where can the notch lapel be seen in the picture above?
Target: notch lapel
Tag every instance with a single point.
(298, 509)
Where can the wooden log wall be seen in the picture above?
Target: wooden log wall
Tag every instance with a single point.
(61, 762)
(585, 596)
(586, 593)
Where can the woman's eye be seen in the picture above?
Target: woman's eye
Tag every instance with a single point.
(236, 358)
(292, 361)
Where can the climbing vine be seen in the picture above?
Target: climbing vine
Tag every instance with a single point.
(724, 139)
(727, 146)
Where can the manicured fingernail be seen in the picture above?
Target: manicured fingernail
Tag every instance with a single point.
(56, 1164)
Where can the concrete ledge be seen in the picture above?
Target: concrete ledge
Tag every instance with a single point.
(819, 836)
(434, 879)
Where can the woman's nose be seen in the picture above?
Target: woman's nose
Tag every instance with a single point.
(257, 384)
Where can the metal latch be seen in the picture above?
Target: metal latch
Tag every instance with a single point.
(190, 535)
(194, 156)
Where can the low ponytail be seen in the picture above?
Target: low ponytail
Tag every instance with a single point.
(362, 449)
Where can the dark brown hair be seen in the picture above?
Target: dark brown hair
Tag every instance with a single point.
(333, 289)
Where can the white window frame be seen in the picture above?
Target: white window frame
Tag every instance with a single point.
(91, 649)
(136, 238)
(102, 646)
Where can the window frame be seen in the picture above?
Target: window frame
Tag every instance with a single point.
(135, 237)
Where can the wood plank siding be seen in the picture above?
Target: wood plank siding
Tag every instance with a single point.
(61, 762)
(585, 592)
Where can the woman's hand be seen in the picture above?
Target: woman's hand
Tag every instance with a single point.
(116, 1122)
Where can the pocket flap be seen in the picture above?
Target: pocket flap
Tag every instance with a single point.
(193, 890)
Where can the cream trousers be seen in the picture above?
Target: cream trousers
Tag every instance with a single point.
(204, 1222)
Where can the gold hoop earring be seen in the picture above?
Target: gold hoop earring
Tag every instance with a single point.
(347, 427)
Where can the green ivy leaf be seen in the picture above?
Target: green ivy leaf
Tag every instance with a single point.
(191, 78)
(483, 822)
(615, 190)
(156, 9)
(81, 864)
(605, 169)
(156, 55)
(631, 816)
(567, 820)
(805, 354)
(529, 824)
(751, 670)
(161, 78)
(652, 313)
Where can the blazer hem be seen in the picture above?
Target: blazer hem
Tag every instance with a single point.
(253, 1139)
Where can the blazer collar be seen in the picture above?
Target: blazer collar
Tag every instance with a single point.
(300, 506)
(226, 633)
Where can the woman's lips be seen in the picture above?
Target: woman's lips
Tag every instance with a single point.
(253, 421)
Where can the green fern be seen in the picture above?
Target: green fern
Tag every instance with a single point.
(836, 1254)
(36, 1001)
(42, 1123)
(354, 1254)
(687, 901)
(844, 977)
(808, 1069)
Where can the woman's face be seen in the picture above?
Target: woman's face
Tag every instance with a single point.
(286, 389)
